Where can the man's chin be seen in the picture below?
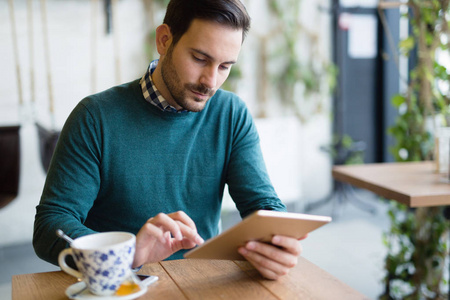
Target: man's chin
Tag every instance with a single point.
(196, 105)
(195, 109)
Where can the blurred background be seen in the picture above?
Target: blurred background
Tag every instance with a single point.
(317, 75)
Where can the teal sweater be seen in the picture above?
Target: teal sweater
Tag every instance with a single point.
(120, 161)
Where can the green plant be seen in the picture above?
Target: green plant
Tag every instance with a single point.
(345, 151)
(424, 97)
(233, 78)
(417, 241)
(417, 249)
(303, 76)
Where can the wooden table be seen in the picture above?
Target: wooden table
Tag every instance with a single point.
(204, 279)
(415, 184)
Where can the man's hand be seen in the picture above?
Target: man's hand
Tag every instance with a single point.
(273, 260)
(163, 235)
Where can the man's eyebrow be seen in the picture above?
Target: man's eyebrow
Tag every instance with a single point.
(231, 62)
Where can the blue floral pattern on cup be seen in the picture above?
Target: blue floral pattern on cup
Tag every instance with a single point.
(105, 271)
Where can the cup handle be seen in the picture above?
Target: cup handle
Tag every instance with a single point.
(62, 263)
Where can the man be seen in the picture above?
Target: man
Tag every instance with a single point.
(152, 156)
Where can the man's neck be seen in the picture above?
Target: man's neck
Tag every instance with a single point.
(162, 88)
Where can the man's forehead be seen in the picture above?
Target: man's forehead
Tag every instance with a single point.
(213, 39)
(206, 22)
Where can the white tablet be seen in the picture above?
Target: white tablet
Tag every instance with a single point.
(262, 225)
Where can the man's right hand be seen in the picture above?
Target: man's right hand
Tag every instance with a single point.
(163, 235)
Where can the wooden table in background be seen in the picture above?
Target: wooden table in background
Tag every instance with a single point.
(415, 184)
(204, 279)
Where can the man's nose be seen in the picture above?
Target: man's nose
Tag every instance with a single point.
(209, 77)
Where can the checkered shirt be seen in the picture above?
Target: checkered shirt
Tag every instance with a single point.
(151, 93)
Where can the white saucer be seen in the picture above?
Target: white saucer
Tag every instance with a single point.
(73, 292)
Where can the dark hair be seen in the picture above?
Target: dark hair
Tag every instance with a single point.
(181, 13)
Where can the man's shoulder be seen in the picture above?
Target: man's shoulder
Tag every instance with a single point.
(115, 94)
(118, 90)
(228, 107)
(223, 99)
(227, 95)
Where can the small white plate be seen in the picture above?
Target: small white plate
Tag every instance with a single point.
(73, 292)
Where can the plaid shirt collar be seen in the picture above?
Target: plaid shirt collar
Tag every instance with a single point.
(151, 93)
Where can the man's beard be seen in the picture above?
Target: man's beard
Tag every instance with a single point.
(177, 90)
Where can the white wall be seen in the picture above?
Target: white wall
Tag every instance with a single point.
(300, 173)
(69, 27)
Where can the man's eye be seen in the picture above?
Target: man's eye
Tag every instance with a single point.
(224, 67)
(198, 59)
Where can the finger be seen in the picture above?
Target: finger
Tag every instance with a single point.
(266, 267)
(190, 233)
(289, 244)
(149, 231)
(270, 252)
(184, 218)
(183, 244)
(175, 223)
(187, 244)
(147, 237)
(167, 224)
(304, 237)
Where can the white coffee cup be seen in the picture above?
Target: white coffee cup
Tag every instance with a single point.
(103, 260)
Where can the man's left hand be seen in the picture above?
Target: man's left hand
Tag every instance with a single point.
(273, 260)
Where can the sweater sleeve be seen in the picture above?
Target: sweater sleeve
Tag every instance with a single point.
(71, 186)
(247, 178)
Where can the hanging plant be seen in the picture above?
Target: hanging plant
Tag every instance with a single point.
(424, 96)
(303, 84)
(417, 241)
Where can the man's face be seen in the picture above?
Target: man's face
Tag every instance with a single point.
(198, 64)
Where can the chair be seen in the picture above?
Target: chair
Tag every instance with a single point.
(47, 143)
(343, 192)
(9, 164)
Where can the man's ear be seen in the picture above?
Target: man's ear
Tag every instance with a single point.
(163, 39)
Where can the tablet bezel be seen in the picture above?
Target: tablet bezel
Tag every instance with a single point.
(261, 225)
